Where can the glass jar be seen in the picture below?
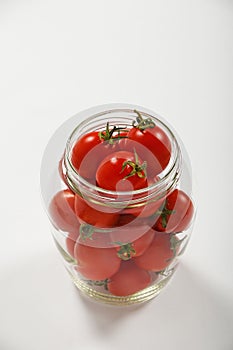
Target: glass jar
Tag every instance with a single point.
(120, 246)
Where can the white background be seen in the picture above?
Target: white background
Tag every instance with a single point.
(60, 57)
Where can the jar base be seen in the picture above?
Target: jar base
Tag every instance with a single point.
(136, 298)
(98, 292)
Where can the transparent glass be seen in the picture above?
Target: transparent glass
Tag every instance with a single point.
(119, 247)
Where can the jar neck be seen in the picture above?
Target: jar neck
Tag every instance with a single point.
(167, 179)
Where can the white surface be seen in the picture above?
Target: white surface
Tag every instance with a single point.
(60, 57)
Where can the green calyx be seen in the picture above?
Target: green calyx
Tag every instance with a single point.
(164, 214)
(175, 243)
(110, 135)
(86, 231)
(126, 251)
(137, 168)
(141, 123)
(101, 283)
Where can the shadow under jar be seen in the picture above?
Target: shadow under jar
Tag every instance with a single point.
(117, 187)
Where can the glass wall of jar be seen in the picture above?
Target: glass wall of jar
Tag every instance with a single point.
(117, 187)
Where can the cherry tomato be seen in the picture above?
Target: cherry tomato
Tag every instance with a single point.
(92, 147)
(96, 263)
(90, 215)
(153, 167)
(86, 154)
(177, 213)
(128, 280)
(155, 140)
(159, 254)
(71, 241)
(61, 210)
(127, 250)
(121, 171)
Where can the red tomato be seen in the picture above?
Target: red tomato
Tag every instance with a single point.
(155, 140)
(96, 263)
(70, 242)
(86, 154)
(128, 280)
(90, 215)
(177, 213)
(159, 254)
(121, 171)
(126, 251)
(61, 210)
(92, 147)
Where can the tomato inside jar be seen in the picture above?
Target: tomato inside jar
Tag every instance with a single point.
(122, 216)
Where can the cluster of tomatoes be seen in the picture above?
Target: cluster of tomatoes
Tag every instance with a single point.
(121, 248)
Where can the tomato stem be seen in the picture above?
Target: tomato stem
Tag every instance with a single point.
(137, 168)
(126, 250)
(143, 124)
(86, 231)
(164, 214)
(108, 135)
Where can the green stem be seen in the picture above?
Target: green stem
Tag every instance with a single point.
(86, 231)
(164, 214)
(141, 123)
(108, 135)
(137, 168)
(126, 250)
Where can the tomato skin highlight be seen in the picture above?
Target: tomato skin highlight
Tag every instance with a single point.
(128, 280)
(111, 174)
(96, 263)
(62, 213)
(159, 254)
(177, 213)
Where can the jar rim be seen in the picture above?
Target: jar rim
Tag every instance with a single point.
(172, 170)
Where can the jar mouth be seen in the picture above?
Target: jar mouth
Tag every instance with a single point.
(167, 179)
